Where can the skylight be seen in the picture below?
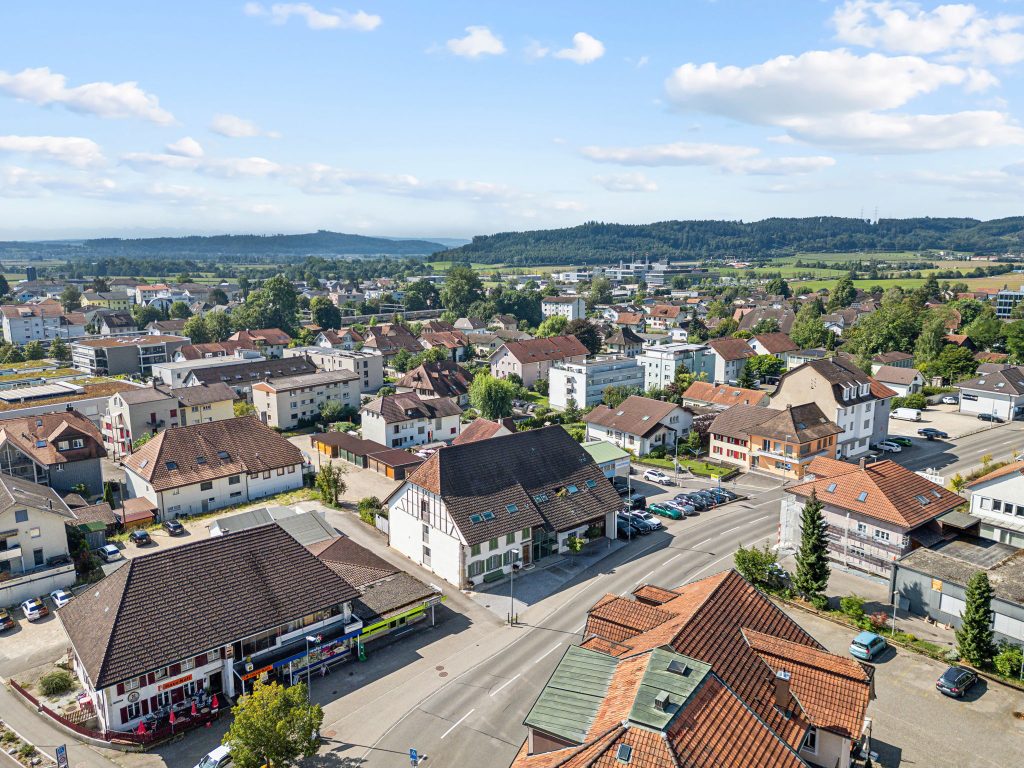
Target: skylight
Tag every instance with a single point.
(862, 496)
(572, 489)
(200, 459)
(223, 455)
(40, 443)
(831, 488)
(172, 465)
(624, 753)
(512, 508)
(923, 499)
(591, 484)
(540, 498)
(475, 519)
(488, 515)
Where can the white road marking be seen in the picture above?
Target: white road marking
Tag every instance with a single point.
(671, 559)
(507, 682)
(724, 533)
(555, 648)
(645, 577)
(457, 722)
(702, 543)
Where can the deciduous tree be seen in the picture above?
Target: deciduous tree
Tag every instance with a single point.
(273, 725)
(492, 397)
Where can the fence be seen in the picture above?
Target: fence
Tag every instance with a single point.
(382, 524)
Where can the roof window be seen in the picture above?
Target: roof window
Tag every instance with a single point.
(488, 515)
(200, 459)
(223, 455)
(475, 519)
(172, 465)
(862, 496)
(512, 508)
(591, 484)
(572, 489)
(624, 754)
(540, 498)
(831, 488)
(40, 443)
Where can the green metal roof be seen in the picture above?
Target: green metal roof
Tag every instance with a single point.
(956, 519)
(93, 527)
(667, 673)
(570, 700)
(600, 451)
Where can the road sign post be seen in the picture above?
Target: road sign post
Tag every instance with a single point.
(414, 758)
(62, 756)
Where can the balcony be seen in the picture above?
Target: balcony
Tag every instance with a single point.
(11, 553)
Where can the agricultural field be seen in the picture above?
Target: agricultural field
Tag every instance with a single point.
(973, 283)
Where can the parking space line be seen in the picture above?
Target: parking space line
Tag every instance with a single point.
(457, 722)
(701, 544)
(507, 682)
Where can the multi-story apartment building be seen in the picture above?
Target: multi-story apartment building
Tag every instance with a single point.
(129, 355)
(369, 364)
(44, 322)
(287, 402)
(569, 307)
(584, 383)
(661, 361)
(1006, 300)
(997, 500)
(532, 359)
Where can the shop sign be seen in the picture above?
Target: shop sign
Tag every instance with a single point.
(257, 672)
(174, 683)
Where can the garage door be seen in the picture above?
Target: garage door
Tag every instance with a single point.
(1009, 626)
(952, 605)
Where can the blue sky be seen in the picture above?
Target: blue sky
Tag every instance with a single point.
(463, 118)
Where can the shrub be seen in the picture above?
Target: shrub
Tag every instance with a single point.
(879, 620)
(658, 452)
(26, 751)
(1008, 660)
(7, 737)
(852, 606)
(56, 682)
(915, 400)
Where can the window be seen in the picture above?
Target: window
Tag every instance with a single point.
(161, 673)
(234, 480)
(131, 685)
(426, 533)
(280, 471)
(163, 699)
(811, 741)
(78, 443)
(525, 534)
(474, 550)
(492, 545)
(37, 556)
(35, 533)
(188, 664)
(266, 475)
(60, 467)
(236, 495)
(493, 562)
(881, 535)
(133, 711)
(510, 539)
(63, 445)
(291, 470)
(862, 496)
(862, 528)
(475, 568)
(206, 486)
(831, 488)
(190, 688)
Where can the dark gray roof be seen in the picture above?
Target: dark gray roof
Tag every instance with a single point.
(409, 405)
(203, 394)
(161, 608)
(1010, 380)
(246, 373)
(738, 420)
(958, 559)
(839, 374)
(534, 471)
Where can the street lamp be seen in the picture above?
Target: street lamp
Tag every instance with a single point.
(309, 663)
(895, 602)
(512, 590)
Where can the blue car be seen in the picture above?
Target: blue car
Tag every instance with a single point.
(867, 645)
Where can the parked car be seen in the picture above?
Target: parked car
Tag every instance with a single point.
(60, 597)
(950, 400)
(956, 681)
(109, 553)
(990, 417)
(648, 519)
(621, 485)
(637, 500)
(663, 509)
(174, 528)
(721, 495)
(688, 510)
(888, 445)
(34, 609)
(931, 433)
(867, 645)
(905, 442)
(657, 476)
(709, 499)
(693, 500)
(219, 757)
(139, 538)
(727, 493)
(625, 528)
(638, 526)
(6, 620)
(906, 414)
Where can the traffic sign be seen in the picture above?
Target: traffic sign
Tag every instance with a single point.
(62, 756)
(414, 758)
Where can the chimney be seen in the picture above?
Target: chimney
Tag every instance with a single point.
(863, 461)
(782, 695)
(661, 701)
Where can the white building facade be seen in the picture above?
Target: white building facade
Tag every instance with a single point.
(584, 383)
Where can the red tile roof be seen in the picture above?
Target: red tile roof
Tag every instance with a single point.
(732, 349)
(723, 394)
(550, 348)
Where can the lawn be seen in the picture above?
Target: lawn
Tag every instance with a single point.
(701, 468)
(537, 399)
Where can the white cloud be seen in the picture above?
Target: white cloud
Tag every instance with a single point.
(72, 150)
(730, 158)
(279, 13)
(626, 182)
(23, 182)
(477, 42)
(236, 127)
(585, 49)
(536, 50)
(114, 100)
(225, 167)
(566, 205)
(186, 147)
(959, 31)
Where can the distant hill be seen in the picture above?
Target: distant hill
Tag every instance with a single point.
(597, 242)
(320, 243)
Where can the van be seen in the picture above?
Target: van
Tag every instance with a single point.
(907, 414)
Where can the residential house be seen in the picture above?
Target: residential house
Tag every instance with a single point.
(432, 380)
(778, 344)
(148, 294)
(997, 501)
(217, 349)
(998, 393)
(484, 344)
(661, 363)
(470, 325)
(706, 394)
(132, 355)
(661, 317)
(639, 424)
(471, 511)
(287, 402)
(59, 449)
(569, 307)
(241, 376)
(892, 359)
(483, 429)
(584, 383)
(173, 327)
(174, 373)
(271, 342)
(533, 359)
(623, 341)
(846, 395)
(133, 413)
(501, 323)
(902, 381)
(368, 364)
(344, 338)
(402, 421)
(388, 339)
(115, 323)
(730, 357)
(248, 601)
(875, 513)
(43, 322)
(729, 435)
(707, 675)
(455, 343)
(783, 317)
(633, 321)
(117, 300)
(193, 469)
(34, 556)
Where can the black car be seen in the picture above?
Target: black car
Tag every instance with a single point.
(955, 681)
(989, 417)
(931, 433)
(174, 528)
(621, 485)
(709, 498)
(721, 495)
(139, 538)
(637, 500)
(693, 500)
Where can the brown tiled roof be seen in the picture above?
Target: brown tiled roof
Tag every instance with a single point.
(213, 349)
(740, 421)
(446, 339)
(723, 394)
(444, 379)
(160, 608)
(636, 415)
(732, 349)
(668, 311)
(833, 691)
(272, 336)
(227, 447)
(338, 337)
(654, 595)
(801, 423)
(623, 337)
(133, 510)
(890, 491)
(891, 374)
(880, 391)
(838, 373)
(38, 436)
(348, 442)
(783, 316)
(480, 429)
(390, 338)
(776, 343)
(236, 374)
(1014, 468)
(630, 318)
(409, 405)
(95, 513)
(550, 348)
(891, 357)
(490, 475)
(204, 394)
(353, 562)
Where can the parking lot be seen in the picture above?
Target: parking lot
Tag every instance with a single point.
(942, 417)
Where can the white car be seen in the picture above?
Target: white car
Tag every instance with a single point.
(657, 476)
(60, 597)
(109, 553)
(34, 609)
(950, 400)
(885, 445)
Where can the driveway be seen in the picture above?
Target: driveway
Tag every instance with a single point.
(361, 482)
(944, 417)
(914, 725)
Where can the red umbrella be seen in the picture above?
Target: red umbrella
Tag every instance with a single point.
(214, 703)
(141, 730)
(195, 709)
(172, 718)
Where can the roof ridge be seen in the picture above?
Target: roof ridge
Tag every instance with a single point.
(128, 569)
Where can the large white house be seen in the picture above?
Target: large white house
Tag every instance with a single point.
(639, 424)
(584, 383)
(997, 500)
(473, 510)
(531, 359)
(661, 361)
(42, 322)
(569, 307)
(191, 470)
(405, 420)
(287, 402)
(998, 393)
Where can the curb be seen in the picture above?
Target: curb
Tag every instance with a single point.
(11, 728)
